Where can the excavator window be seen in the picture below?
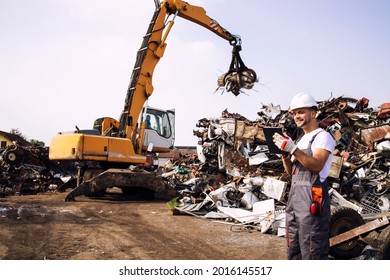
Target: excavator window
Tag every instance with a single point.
(158, 121)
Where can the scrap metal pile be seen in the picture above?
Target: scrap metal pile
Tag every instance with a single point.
(235, 177)
(28, 170)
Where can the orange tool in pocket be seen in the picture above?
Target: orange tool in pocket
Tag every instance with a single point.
(316, 206)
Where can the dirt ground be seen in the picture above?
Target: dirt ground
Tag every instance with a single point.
(44, 226)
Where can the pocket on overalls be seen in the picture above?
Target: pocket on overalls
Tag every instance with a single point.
(316, 206)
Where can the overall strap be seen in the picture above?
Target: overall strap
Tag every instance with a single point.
(301, 174)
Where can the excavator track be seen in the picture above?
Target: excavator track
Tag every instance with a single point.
(122, 178)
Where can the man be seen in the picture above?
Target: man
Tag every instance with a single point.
(147, 121)
(308, 162)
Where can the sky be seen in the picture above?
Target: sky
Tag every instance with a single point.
(68, 62)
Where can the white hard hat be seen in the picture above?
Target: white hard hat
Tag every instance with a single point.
(302, 100)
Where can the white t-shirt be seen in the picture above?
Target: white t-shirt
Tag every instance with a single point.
(323, 140)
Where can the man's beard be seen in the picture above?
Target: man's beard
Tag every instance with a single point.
(303, 122)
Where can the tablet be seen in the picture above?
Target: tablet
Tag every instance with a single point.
(268, 133)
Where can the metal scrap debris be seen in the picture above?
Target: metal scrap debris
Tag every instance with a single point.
(234, 149)
(27, 170)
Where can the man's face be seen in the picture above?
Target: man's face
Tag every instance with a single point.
(302, 116)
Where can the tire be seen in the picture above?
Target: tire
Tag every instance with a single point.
(384, 244)
(343, 219)
(11, 157)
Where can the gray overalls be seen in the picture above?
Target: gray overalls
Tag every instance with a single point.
(307, 234)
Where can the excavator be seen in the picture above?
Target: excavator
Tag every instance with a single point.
(117, 153)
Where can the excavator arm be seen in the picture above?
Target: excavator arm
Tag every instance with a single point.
(198, 15)
(153, 48)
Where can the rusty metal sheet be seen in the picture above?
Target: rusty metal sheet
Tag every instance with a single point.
(373, 134)
(335, 169)
(384, 111)
(251, 132)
